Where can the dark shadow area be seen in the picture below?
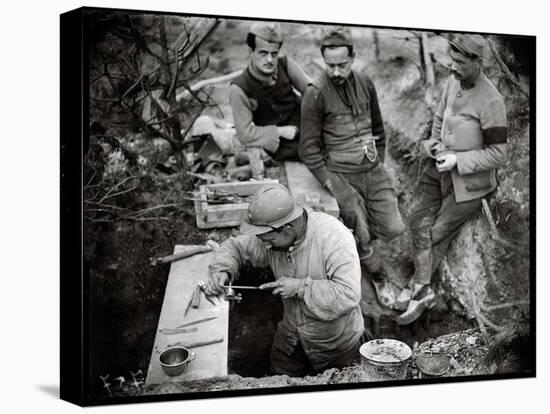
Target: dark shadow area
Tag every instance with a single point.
(252, 324)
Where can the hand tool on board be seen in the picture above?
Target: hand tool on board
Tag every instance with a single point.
(201, 343)
(189, 303)
(209, 318)
(202, 287)
(209, 246)
(196, 300)
(168, 331)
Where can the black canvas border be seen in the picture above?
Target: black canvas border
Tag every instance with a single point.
(74, 273)
(72, 294)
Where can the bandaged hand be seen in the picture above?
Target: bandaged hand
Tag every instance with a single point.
(287, 287)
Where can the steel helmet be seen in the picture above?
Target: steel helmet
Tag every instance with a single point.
(271, 207)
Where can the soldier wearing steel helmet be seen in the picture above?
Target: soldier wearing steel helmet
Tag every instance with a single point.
(265, 106)
(317, 274)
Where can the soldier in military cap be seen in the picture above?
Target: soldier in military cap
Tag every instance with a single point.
(467, 144)
(266, 109)
(343, 144)
(318, 276)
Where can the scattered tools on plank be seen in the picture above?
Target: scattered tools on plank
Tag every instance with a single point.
(168, 331)
(209, 318)
(189, 303)
(184, 328)
(209, 246)
(202, 287)
(200, 343)
(196, 300)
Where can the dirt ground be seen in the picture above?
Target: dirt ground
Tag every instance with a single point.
(126, 292)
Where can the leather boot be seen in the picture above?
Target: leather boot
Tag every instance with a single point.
(374, 265)
(422, 300)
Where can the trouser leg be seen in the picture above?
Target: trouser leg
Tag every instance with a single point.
(428, 200)
(450, 220)
(372, 259)
(382, 207)
(353, 211)
(435, 221)
(380, 213)
(368, 206)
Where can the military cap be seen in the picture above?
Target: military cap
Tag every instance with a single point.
(471, 46)
(270, 32)
(337, 36)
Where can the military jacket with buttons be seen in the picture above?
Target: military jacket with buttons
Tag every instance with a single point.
(471, 122)
(333, 137)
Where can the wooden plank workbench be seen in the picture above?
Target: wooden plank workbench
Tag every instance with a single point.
(210, 360)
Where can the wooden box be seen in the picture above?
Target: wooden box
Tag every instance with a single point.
(225, 215)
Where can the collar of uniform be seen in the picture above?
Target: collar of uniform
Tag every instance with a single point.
(470, 83)
(300, 240)
(467, 85)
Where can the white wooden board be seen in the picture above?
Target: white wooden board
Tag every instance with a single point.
(210, 360)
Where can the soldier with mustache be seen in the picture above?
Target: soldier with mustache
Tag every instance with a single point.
(343, 144)
(264, 102)
(467, 144)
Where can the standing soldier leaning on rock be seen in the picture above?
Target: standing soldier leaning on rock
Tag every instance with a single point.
(266, 109)
(343, 144)
(468, 143)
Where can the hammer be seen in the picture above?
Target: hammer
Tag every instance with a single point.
(209, 246)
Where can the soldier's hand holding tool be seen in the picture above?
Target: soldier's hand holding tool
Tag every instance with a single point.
(287, 287)
(215, 283)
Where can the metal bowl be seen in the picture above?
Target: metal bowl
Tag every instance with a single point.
(385, 359)
(433, 364)
(175, 359)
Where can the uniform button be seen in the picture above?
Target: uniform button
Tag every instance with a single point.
(453, 113)
(459, 94)
(449, 132)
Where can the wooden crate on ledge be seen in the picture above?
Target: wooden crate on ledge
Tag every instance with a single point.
(210, 215)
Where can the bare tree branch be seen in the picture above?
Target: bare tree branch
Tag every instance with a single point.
(505, 69)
